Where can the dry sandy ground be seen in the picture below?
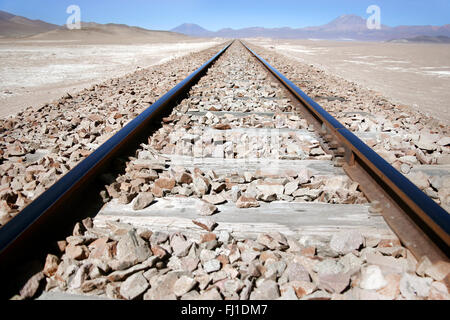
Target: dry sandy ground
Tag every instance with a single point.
(417, 75)
(35, 72)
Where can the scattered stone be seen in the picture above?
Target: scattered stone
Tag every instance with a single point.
(132, 248)
(387, 264)
(120, 275)
(413, 287)
(346, 241)
(183, 285)
(438, 271)
(291, 187)
(372, 278)
(212, 266)
(165, 183)
(51, 265)
(205, 209)
(201, 185)
(245, 203)
(288, 294)
(268, 290)
(438, 291)
(334, 283)
(134, 286)
(77, 252)
(214, 199)
(159, 237)
(328, 267)
(302, 288)
(392, 288)
(212, 294)
(184, 178)
(31, 287)
(208, 224)
(143, 200)
(180, 246)
(162, 288)
(296, 272)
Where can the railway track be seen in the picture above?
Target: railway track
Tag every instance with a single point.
(235, 184)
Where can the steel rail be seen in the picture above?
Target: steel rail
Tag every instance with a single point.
(25, 230)
(421, 224)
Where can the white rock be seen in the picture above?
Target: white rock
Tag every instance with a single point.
(346, 241)
(211, 266)
(413, 287)
(183, 285)
(134, 286)
(372, 278)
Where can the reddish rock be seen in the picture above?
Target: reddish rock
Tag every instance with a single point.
(51, 265)
(223, 259)
(160, 252)
(308, 252)
(77, 252)
(222, 126)
(205, 223)
(218, 187)
(266, 255)
(165, 183)
(245, 203)
(62, 245)
(99, 248)
(387, 243)
(184, 178)
(334, 283)
(301, 288)
(207, 237)
(157, 191)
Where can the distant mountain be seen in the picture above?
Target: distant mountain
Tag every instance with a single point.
(107, 33)
(12, 26)
(192, 30)
(423, 39)
(344, 27)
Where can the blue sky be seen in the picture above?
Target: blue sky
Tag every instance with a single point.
(217, 14)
